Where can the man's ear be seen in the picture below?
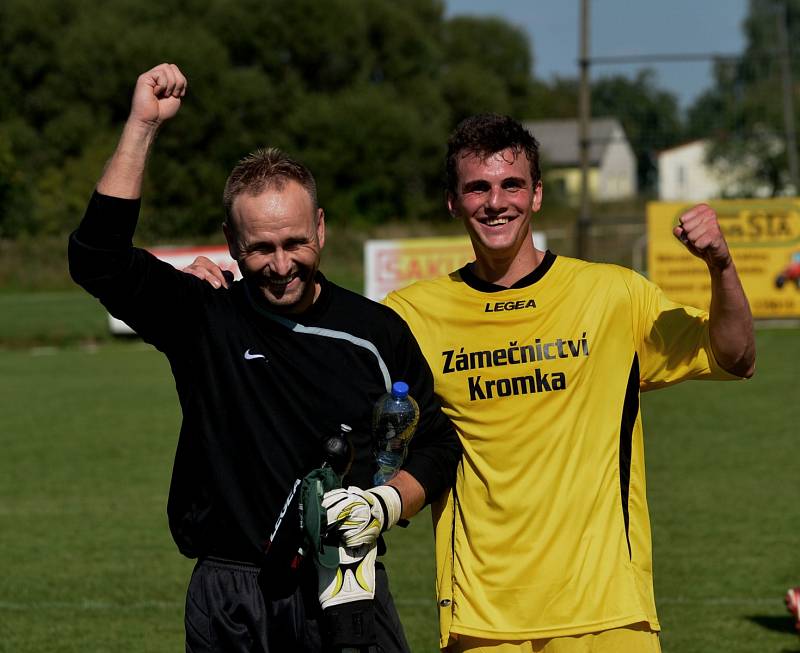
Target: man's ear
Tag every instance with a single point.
(321, 227)
(536, 202)
(451, 203)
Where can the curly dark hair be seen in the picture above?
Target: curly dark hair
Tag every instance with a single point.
(262, 169)
(484, 135)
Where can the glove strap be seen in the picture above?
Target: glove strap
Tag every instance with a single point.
(390, 502)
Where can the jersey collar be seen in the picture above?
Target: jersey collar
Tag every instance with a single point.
(473, 281)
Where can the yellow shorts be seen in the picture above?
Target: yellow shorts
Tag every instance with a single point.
(636, 638)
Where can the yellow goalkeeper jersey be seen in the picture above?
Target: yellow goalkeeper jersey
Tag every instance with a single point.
(546, 532)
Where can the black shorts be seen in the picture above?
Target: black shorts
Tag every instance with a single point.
(227, 612)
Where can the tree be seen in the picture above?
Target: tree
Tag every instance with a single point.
(364, 92)
(488, 65)
(743, 113)
(649, 115)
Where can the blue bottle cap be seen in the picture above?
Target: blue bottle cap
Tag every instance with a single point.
(400, 390)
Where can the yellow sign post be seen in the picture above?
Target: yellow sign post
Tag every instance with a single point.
(764, 237)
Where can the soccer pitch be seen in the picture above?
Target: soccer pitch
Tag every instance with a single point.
(87, 563)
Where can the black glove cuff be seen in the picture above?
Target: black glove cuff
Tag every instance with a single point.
(350, 624)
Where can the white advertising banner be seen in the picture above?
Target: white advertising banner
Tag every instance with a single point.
(392, 264)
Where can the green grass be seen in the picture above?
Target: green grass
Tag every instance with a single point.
(722, 462)
(51, 318)
(87, 564)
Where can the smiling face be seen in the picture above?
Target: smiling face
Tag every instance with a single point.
(495, 197)
(276, 237)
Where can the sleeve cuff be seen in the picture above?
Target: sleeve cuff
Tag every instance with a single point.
(109, 222)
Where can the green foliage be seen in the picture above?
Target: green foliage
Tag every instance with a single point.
(487, 58)
(364, 92)
(649, 116)
(376, 147)
(559, 99)
(743, 112)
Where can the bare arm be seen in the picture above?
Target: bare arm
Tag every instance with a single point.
(731, 322)
(156, 98)
(362, 515)
(411, 493)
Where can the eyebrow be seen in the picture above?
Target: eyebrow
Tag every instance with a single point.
(469, 185)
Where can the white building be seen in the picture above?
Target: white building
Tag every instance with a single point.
(685, 175)
(612, 163)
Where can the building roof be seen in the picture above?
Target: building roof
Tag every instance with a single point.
(559, 142)
(682, 145)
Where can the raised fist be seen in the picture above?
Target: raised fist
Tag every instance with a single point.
(700, 233)
(157, 95)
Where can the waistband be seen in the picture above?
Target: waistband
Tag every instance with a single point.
(225, 563)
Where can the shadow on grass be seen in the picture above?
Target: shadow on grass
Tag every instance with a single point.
(779, 625)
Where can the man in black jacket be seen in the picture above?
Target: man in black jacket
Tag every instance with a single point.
(265, 373)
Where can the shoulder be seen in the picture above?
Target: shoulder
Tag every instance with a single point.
(576, 265)
(359, 304)
(428, 292)
(360, 314)
(609, 274)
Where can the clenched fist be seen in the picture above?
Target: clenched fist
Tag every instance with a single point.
(700, 232)
(157, 95)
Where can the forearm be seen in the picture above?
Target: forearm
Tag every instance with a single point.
(124, 173)
(731, 323)
(156, 99)
(411, 492)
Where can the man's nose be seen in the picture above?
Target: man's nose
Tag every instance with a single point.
(281, 263)
(496, 202)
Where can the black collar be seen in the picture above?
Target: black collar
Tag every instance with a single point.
(473, 281)
(309, 316)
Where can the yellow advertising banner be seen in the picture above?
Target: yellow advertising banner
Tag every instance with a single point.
(764, 238)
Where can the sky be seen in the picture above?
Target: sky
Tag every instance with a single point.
(624, 27)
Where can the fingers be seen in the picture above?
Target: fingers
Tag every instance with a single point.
(168, 81)
(204, 268)
(700, 232)
(158, 93)
(351, 513)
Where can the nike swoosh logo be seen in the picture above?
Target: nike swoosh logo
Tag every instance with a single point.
(251, 357)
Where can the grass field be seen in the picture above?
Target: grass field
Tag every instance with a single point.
(88, 436)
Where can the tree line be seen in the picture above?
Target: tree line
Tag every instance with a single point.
(364, 92)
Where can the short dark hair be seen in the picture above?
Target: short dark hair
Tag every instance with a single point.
(486, 134)
(266, 168)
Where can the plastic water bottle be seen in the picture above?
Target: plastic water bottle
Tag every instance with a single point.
(394, 421)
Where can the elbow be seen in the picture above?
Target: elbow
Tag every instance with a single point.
(749, 369)
(744, 367)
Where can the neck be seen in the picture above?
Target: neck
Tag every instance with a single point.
(507, 270)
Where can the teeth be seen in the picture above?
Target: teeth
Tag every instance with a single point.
(493, 222)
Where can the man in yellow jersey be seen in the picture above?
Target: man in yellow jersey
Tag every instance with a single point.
(543, 545)
(544, 542)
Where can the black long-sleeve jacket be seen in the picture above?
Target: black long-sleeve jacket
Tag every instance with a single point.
(259, 392)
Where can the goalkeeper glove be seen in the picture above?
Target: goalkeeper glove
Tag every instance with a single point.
(354, 578)
(346, 595)
(361, 516)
